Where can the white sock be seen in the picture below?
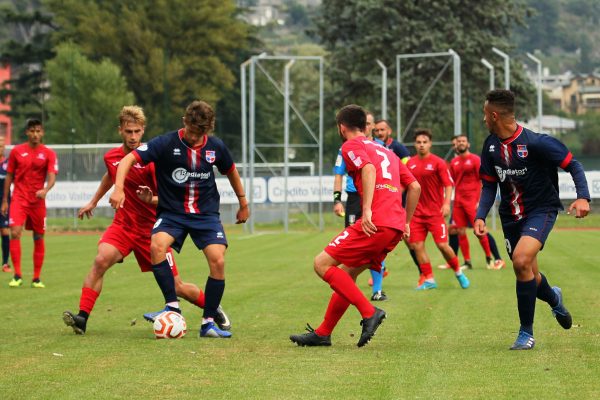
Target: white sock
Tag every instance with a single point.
(174, 304)
(207, 320)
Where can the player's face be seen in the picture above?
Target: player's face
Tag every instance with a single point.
(1, 146)
(35, 135)
(462, 144)
(422, 145)
(370, 126)
(131, 133)
(382, 131)
(192, 134)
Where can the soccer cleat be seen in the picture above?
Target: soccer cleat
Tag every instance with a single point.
(15, 282)
(6, 268)
(489, 263)
(379, 296)
(562, 315)
(499, 264)
(311, 338)
(151, 316)
(421, 279)
(463, 280)
(211, 330)
(524, 341)
(77, 322)
(444, 266)
(466, 265)
(222, 320)
(369, 326)
(427, 285)
(37, 285)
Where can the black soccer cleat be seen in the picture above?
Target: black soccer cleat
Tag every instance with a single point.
(222, 320)
(379, 296)
(560, 312)
(370, 325)
(310, 338)
(77, 322)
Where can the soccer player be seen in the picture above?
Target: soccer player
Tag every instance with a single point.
(524, 164)
(131, 226)
(378, 176)
(188, 203)
(4, 230)
(30, 165)
(433, 175)
(383, 132)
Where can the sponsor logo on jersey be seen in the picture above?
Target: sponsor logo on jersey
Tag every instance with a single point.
(387, 186)
(143, 147)
(503, 173)
(176, 151)
(210, 156)
(492, 148)
(181, 175)
(522, 150)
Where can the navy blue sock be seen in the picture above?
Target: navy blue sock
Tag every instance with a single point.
(526, 294)
(545, 292)
(5, 248)
(166, 282)
(453, 241)
(494, 247)
(213, 293)
(414, 258)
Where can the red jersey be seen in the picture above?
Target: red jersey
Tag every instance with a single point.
(433, 175)
(30, 166)
(465, 172)
(387, 198)
(135, 214)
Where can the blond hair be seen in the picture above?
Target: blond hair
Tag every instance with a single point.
(133, 114)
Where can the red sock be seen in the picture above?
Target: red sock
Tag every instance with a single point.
(335, 309)
(463, 242)
(454, 264)
(426, 270)
(485, 244)
(343, 285)
(88, 299)
(15, 255)
(39, 249)
(200, 300)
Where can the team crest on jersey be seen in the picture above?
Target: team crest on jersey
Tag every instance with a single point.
(429, 167)
(522, 150)
(41, 156)
(210, 156)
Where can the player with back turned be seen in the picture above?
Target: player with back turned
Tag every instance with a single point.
(524, 164)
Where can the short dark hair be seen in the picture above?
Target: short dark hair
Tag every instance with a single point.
(352, 116)
(502, 99)
(201, 115)
(461, 135)
(384, 120)
(424, 132)
(32, 122)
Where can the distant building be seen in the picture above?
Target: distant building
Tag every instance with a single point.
(5, 120)
(551, 124)
(263, 12)
(573, 93)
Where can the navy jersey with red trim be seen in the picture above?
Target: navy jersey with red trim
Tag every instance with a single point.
(184, 174)
(525, 167)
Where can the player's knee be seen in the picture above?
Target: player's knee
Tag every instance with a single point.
(521, 261)
(101, 264)
(157, 250)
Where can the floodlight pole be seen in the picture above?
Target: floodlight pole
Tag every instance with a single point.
(506, 66)
(383, 89)
(489, 66)
(286, 141)
(243, 67)
(457, 94)
(539, 88)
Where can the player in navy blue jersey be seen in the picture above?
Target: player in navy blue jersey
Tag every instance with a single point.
(524, 164)
(188, 203)
(4, 230)
(383, 132)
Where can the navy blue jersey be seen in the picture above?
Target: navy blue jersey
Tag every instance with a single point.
(525, 167)
(184, 174)
(398, 148)
(3, 166)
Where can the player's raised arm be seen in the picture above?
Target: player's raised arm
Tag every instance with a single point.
(117, 198)
(103, 188)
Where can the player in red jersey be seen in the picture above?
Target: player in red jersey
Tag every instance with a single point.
(464, 169)
(30, 165)
(378, 175)
(433, 175)
(131, 227)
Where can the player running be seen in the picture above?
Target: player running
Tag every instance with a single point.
(30, 165)
(4, 230)
(524, 164)
(131, 226)
(379, 176)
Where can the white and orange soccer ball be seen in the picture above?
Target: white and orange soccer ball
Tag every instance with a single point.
(169, 325)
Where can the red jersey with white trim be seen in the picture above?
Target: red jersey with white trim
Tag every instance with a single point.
(30, 166)
(387, 198)
(467, 183)
(433, 176)
(136, 214)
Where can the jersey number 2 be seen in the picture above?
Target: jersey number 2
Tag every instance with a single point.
(385, 163)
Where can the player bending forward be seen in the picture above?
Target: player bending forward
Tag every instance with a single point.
(379, 176)
(131, 226)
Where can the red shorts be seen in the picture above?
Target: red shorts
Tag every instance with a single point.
(32, 215)
(127, 241)
(419, 226)
(464, 215)
(354, 248)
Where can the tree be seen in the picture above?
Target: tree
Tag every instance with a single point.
(85, 98)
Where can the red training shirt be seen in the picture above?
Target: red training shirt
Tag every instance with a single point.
(465, 172)
(432, 174)
(29, 167)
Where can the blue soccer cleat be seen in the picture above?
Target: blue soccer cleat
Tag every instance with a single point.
(524, 341)
(151, 316)
(463, 280)
(211, 330)
(427, 285)
(562, 315)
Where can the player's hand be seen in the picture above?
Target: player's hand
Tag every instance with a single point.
(445, 210)
(86, 210)
(367, 225)
(144, 193)
(41, 194)
(243, 214)
(581, 207)
(479, 228)
(338, 209)
(117, 198)
(4, 208)
(406, 235)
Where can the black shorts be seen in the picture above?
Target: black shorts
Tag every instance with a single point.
(353, 209)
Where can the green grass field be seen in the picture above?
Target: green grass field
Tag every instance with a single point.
(447, 343)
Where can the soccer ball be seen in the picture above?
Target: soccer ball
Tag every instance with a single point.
(169, 325)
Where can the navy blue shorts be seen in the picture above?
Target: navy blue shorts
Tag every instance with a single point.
(537, 225)
(3, 221)
(203, 230)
